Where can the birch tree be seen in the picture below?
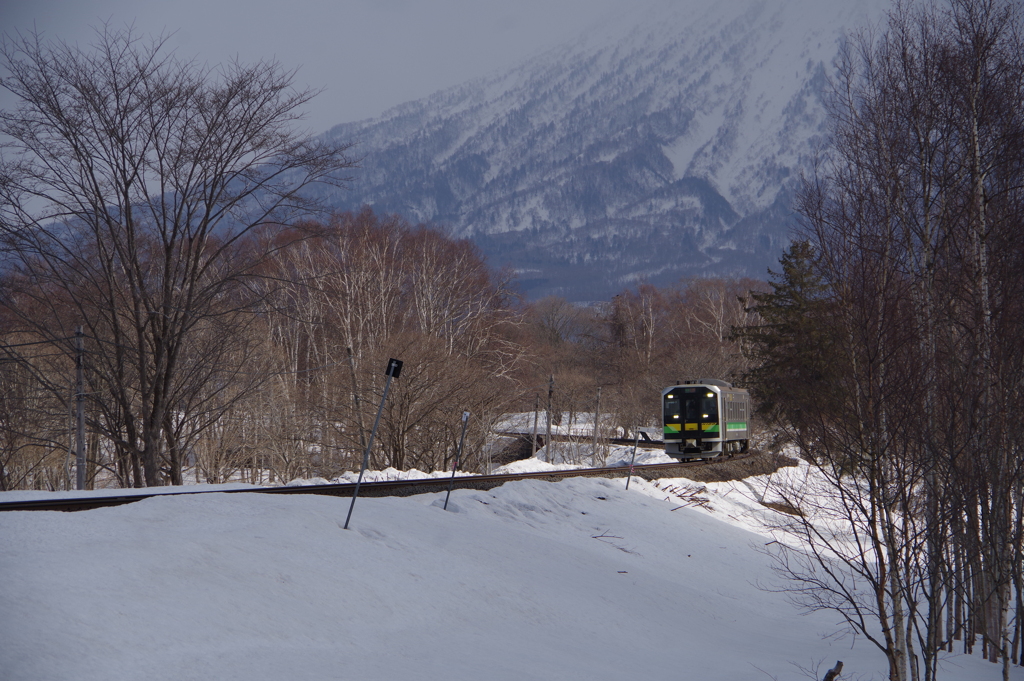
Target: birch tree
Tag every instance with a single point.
(914, 217)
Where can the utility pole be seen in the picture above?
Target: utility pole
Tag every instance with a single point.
(632, 460)
(547, 439)
(71, 435)
(536, 414)
(597, 413)
(80, 408)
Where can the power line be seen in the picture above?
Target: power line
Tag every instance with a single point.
(45, 342)
(19, 358)
(23, 358)
(239, 373)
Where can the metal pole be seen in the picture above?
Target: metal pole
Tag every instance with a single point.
(633, 459)
(71, 437)
(547, 440)
(597, 412)
(536, 413)
(80, 408)
(394, 367)
(458, 456)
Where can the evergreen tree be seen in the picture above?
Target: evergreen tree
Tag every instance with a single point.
(790, 346)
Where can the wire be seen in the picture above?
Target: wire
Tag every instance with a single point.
(24, 358)
(45, 342)
(131, 348)
(239, 373)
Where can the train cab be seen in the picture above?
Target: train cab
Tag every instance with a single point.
(705, 418)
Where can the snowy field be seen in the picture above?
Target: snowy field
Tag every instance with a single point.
(579, 579)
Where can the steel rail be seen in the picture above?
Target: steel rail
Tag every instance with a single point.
(384, 488)
(558, 437)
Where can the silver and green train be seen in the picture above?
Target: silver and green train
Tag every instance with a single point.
(705, 418)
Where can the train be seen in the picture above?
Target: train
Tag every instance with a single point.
(705, 418)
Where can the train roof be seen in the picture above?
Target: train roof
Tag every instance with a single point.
(713, 382)
(709, 381)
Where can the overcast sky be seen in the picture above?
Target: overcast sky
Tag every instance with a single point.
(368, 55)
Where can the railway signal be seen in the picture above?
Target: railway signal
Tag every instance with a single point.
(393, 370)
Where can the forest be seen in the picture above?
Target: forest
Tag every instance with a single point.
(283, 376)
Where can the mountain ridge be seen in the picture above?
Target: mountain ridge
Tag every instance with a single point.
(664, 149)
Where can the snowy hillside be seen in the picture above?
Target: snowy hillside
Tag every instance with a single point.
(667, 142)
(579, 579)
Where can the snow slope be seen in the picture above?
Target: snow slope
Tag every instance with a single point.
(579, 579)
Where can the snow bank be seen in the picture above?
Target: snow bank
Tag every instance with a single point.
(576, 580)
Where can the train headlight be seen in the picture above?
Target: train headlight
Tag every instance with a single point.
(705, 415)
(710, 395)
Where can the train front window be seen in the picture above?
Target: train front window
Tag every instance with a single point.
(692, 405)
(709, 407)
(672, 412)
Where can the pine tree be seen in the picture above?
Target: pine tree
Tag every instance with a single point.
(790, 347)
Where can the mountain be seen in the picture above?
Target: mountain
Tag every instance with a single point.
(661, 144)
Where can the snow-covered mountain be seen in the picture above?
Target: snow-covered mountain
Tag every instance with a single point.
(660, 144)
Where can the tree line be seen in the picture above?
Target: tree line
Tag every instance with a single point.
(282, 379)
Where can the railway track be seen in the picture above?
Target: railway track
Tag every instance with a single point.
(556, 437)
(389, 488)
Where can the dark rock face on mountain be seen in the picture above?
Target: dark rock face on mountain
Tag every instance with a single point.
(669, 148)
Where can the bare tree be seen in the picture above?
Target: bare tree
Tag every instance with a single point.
(352, 293)
(914, 220)
(34, 416)
(130, 182)
(657, 336)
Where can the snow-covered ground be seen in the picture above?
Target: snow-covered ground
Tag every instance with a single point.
(579, 579)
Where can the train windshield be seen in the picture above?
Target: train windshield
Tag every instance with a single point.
(691, 405)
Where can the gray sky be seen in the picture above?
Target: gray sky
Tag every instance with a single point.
(367, 54)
